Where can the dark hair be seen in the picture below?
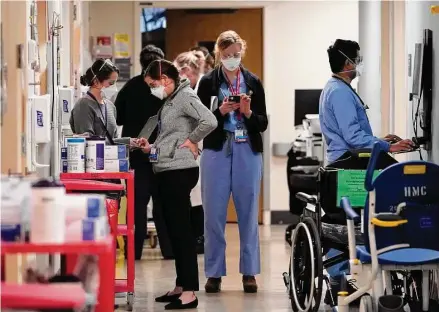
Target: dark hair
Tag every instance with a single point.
(101, 70)
(149, 54)
(162, 67)
(336, 59)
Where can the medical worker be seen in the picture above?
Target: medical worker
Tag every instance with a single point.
(231, 162)
(183, 122)
(345, 126)
(135, 104)
(190, 65)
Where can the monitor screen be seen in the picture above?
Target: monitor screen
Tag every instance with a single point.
(305, 102)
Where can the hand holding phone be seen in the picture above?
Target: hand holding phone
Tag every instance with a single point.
(234, 98)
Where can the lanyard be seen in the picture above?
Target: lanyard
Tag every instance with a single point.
(99, 106)
(352, 89)
(235, 91)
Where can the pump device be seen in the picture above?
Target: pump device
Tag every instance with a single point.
(38, 125)
(66, 102)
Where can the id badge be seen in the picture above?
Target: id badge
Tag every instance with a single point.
(241, 136)
(154, 155)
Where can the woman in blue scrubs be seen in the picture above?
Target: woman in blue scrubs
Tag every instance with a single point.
(231, 162)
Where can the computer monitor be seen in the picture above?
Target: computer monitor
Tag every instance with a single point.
(305, 102)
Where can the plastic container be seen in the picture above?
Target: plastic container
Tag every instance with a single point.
(95, 151)
(390, 303)
(75, 154)
(47, 222)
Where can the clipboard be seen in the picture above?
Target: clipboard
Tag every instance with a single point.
(149, 127)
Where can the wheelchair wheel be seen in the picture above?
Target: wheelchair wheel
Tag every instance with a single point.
(306, 268)
(366, 304)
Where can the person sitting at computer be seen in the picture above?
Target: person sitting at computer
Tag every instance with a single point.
(343, 119)
(345, 125)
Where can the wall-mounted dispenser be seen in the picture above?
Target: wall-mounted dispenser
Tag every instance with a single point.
(66, 102)
(38, 126)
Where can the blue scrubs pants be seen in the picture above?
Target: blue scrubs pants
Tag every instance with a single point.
(235, 170)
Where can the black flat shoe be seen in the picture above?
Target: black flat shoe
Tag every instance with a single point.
(178, 305)
(167, 298)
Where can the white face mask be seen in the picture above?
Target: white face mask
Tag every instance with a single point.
(109, 92)
(231, 63)
(359, 68)
(159, 92)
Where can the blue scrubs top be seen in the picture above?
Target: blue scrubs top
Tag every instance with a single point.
(344, 122)
(231, 122)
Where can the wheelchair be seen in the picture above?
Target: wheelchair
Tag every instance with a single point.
(397, 242)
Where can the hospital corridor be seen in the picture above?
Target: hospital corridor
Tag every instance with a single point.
(240, 155)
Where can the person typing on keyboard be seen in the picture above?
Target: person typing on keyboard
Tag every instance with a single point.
(343, 118)
(345, 127)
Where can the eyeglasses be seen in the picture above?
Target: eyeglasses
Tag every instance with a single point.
(356, 61)
(229, 56)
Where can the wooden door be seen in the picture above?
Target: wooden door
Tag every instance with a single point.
(185, 30)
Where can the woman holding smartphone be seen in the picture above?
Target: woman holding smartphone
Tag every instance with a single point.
(231, 162)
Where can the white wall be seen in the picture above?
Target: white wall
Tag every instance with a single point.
(110, 17)
(369, 84)
(296, 37)
(418, 17)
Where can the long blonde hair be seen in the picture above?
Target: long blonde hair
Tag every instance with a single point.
(225, 40)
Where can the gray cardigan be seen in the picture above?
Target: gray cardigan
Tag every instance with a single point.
(89, 117)
(182, 117)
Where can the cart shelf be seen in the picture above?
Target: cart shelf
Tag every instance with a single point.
(42, 296)
(82, 247)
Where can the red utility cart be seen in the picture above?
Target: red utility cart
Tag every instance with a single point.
(61, 296)
(121, 285)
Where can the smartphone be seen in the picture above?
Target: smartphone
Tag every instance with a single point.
(234, 98)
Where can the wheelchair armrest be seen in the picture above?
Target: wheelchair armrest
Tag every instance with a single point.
(350, 213)
(388, 220)
(306, 198)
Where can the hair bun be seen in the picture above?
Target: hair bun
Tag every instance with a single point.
(83, 80)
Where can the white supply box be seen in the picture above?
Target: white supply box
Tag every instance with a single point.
(117, 165)
(83, 206)
(113, 152)
(89, 229)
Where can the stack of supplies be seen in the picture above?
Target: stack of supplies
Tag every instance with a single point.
(116, 158)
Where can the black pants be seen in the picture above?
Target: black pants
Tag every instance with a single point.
(174, 189)
(145, 187)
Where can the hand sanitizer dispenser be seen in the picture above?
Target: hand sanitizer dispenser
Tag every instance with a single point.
(66, 102)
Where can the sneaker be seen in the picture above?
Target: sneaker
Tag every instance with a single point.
(249, 284)
(331, 296)
(213, 285)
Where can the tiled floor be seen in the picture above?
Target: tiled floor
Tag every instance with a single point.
(155, 277)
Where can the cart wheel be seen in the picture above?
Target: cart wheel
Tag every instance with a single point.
(130, 301)
(366, 304)
(306, 268)
(153, 241)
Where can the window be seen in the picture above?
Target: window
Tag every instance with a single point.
(153, 27)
